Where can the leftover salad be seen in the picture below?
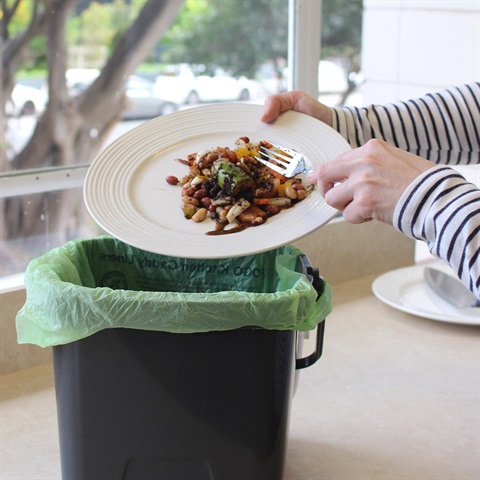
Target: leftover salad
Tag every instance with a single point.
(234, 189)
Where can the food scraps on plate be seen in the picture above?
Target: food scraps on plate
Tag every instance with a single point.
(234, 189)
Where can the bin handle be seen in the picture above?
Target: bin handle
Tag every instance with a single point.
(318, 283)
(313, 357)
(313, 275)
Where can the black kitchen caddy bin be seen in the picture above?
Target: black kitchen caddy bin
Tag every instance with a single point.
(143, 404)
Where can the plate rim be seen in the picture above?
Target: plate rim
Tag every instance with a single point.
(250, 110)
(416, 275)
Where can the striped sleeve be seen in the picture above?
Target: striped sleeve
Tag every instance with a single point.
(441, 208)
(443, 127)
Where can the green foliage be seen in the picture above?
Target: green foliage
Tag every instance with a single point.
(342, 29)
(211, 31)
(36, 55)
(102, 23)
(22, 16)
(238, 35)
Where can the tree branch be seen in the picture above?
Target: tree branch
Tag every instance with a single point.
(154, 19)
(13, 50)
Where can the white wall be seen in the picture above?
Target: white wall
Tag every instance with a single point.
(411, 47)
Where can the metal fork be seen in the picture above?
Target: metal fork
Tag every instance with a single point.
(283, 160)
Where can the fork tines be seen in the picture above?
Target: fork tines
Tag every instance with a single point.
(277, 161)
(282, 160)
(279, 157)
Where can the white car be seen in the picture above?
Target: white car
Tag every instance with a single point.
(182, 85)
(142, 102)
(331, 78)
(26, 100)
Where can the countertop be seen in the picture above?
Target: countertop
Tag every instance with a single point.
(393, 397)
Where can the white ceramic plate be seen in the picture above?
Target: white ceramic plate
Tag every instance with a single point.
(126, 193)
(406, 290)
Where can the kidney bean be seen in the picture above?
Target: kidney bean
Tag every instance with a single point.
(190, 191)
(199, 194)
(206, 201)
(172, 180)
(272, 209)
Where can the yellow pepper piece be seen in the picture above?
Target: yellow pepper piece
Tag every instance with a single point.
(281, 188)
(242, 152)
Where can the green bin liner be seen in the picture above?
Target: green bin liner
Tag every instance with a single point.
(86, 286)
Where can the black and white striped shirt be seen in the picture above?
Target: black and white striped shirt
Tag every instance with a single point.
(440, 207)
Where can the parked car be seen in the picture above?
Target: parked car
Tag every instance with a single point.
(332, 78)
(142, 102)
(186, 84)
(271, 78)
(26, 100)
(79, 78)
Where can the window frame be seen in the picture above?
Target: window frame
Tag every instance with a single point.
(304, 57)
(304, 35)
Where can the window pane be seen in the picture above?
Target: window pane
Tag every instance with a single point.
(339, 69)
(213, 51)
(34, 224)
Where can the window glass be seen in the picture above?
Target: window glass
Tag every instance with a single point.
(211, 51)
(42, 222)
(113, 64)
(339, 70)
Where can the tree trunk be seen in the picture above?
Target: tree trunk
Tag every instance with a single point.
(72, 130)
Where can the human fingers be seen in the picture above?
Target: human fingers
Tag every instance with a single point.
(367, 182)
(298, 101)
(342, 189)
(354, 201)
(343, 194)
(275, 105)
(332, 173)
(355, 183)
(348, 187)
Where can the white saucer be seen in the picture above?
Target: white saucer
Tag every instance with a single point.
(406, 290)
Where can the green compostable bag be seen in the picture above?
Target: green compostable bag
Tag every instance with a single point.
(86, 286)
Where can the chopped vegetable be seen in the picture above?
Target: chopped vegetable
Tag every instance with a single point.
(236, 209)
(233, 188)
(230, 178)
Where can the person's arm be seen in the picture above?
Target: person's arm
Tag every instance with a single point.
(441, 208)
(424, 201)
(427, 202)
(443, 127)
